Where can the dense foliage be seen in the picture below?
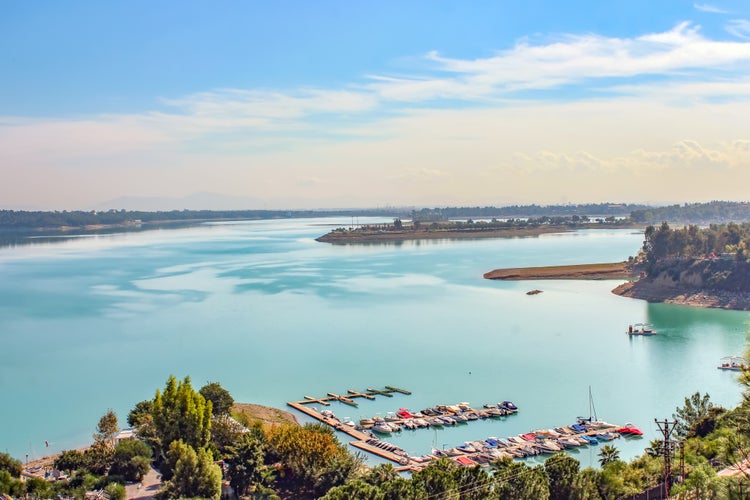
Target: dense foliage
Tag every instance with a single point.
(715, 257)
(714, 212)
(305, 462)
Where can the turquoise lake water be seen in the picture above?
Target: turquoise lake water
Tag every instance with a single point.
(99, 322)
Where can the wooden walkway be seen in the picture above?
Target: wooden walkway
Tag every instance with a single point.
(366, 442)
(351, 394)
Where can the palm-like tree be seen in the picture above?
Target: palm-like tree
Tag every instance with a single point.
(608, 454)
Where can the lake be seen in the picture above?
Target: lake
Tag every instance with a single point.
(98, 322)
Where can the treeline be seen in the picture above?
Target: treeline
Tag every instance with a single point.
(714, 212)
(23, 220)
(663, 242)
(186, 434)
(714, 258)
(590, 209)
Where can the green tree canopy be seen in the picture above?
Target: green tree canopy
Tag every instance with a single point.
(220, 398)
(181, 413)
(107, 428)
(195, 474)
(13, 466)
(131, 459)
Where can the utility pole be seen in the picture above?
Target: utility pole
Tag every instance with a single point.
(667, 427)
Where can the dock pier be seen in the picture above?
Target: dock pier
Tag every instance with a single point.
(366, 440)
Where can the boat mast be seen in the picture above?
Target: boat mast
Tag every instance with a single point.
(592, 408)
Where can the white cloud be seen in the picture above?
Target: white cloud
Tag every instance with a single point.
(704, 7)
(739, 28)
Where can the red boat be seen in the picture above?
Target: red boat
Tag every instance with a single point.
(631, 430)
(404, 413)
(529, 436)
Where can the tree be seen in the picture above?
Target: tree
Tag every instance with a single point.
(107, 428)
(10, 485)
(115, 491)
(13, 466)
(245, 463)
(71, 460)
(220, 398)
(381, 474)
(195, 474)
(472, 483)
(398, 224)
(312, 455)
(436, 480)
(561, 470)
(354, 489)
(516, 480)
(131, 460)
(139, 412)
(696, 408)
(585, 486)
(181, 413)
(608, 454)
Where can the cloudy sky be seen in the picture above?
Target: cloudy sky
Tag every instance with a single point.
(320, 104)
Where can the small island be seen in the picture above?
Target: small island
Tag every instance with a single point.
(469, 229)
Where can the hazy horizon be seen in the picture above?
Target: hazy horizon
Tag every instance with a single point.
(340, 104)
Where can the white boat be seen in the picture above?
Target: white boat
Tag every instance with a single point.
(732, 363)
(382, 428)
(641, 329)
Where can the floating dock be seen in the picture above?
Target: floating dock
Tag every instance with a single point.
(515, 446)
(351, 394)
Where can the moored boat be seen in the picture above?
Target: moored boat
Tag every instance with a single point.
(641, 329)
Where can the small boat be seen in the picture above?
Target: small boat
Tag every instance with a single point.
(348, 421)
(630, 429)
(409, 424)
(404, 413)
(366, 421)
(508, 405)
(517, 440)
(382, 428)
(529, 436)
(642, 329)
(465, 461)
(460, 418)
(606, 436)
(732, 363)
(467, 448)
(391, 417)
(569, 442)
(590, 439)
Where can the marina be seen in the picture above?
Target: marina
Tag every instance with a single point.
(586, 432)
(439, 330)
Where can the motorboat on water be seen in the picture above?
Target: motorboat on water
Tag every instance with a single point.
(404, 413)
(508, 405)
(733, 363)
(641, 329)
(630, 430)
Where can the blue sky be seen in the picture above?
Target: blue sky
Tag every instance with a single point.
(323, 104)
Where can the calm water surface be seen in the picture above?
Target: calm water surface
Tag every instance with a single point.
(93, 323)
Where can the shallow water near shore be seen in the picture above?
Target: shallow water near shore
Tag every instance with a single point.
(98, 322)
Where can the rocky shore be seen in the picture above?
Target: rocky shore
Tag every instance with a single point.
(654, 291)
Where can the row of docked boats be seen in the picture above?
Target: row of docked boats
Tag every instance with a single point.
(539, 442)
(437, 416)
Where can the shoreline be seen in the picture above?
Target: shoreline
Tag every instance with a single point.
(612, 270)
(655, 293)
(364, 236)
